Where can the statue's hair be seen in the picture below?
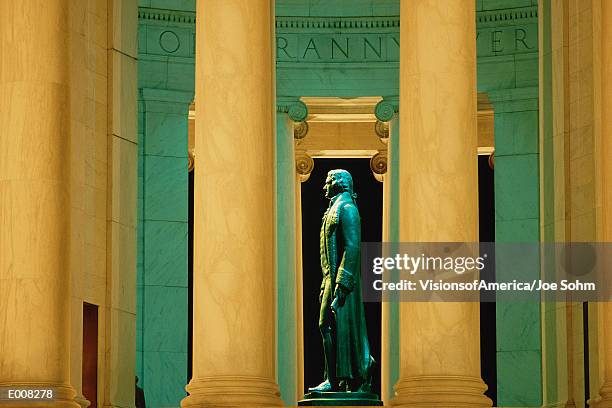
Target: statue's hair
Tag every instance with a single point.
(345, 180)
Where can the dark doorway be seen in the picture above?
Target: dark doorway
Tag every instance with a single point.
(314, 204)
(89, 372)
(488, 316)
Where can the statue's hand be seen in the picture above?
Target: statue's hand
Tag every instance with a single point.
(340, 294)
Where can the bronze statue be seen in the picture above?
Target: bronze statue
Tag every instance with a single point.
(348, 363)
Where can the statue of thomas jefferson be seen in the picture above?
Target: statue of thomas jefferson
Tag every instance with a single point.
(348, 364)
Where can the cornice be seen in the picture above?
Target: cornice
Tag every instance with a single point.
(514, 16)
(157, 16)
(336, 23)
(487, 18)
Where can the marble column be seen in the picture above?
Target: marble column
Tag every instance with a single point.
(386, 111)
(234, 290)
(289, 113)
(439, 345)
(606, 185)
(34, 201)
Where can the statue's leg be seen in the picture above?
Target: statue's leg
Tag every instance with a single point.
(330, 357)
(365, 384)
(326, 322)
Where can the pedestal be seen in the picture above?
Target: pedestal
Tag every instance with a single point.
(340, 399)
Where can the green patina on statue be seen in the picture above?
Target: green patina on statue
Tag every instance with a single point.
(348, 363)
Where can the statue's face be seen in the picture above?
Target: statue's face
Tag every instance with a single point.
(331, 186)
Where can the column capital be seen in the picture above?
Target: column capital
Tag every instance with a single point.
(293, 107)
(378, 165)
(382, 131)
(387, 108)
(304, 164)
(190, 160)
(300, 130)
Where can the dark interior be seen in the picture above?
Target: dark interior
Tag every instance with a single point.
(314, 204)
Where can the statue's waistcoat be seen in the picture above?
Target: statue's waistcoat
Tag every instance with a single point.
(328, 237)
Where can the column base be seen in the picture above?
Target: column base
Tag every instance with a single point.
(62, 395)
(340, 399)
(440, 391)
(605, 401)
(232, 391)
(82, 401)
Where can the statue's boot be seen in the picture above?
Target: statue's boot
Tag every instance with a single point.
(325, 386)
(331, 383)
(365, 385)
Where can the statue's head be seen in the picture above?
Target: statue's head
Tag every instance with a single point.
(338, 181)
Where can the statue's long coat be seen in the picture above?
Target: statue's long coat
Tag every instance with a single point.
(340, 241)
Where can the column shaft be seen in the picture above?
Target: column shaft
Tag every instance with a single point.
(299, 268)
(440, 350)
(390, 309)
(286, 278)
(606, 185)
(234, 257)
(34, 198)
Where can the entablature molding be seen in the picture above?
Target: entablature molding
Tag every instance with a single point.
(166, 100)
(346, 40)
(514, 99)
(484, 18)
(166, 95)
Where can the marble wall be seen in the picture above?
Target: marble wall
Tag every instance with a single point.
(121, 226)
(103, 177)
(508, 73)
(166, 83)
(91, 142)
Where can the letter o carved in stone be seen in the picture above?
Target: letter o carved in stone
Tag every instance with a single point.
(169, 41)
